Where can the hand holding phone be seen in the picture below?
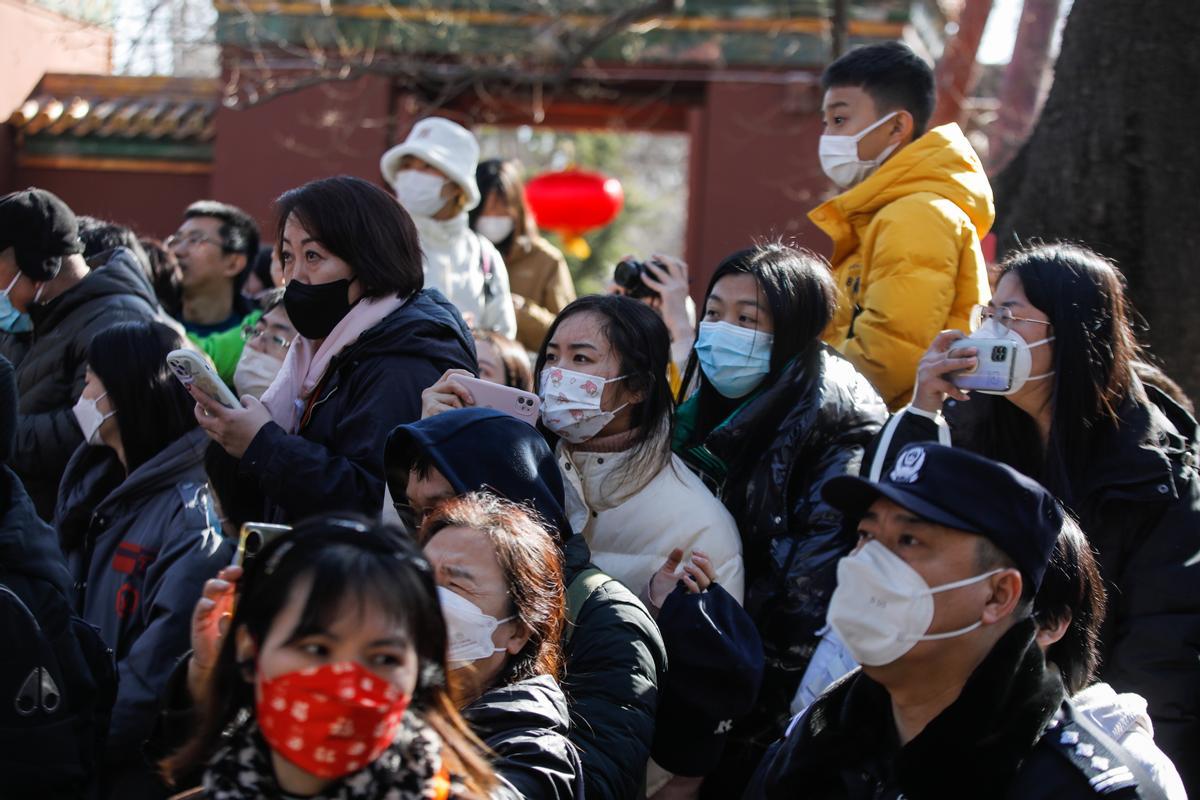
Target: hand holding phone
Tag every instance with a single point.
(994, 366)
(514, 402)
(192, 368)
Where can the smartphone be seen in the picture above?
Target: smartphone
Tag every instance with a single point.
(191, 367)
(254, 537)
(514, 402)
(993, 371)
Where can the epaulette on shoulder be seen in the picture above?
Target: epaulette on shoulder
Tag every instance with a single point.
(1103, 769)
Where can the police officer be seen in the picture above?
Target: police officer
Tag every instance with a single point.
(953, 698)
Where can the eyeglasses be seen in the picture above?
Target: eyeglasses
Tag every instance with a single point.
(1003, 316)
(190, 240)
(250, 333)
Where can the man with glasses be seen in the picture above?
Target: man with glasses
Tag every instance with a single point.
(50, 294)
(214, 246)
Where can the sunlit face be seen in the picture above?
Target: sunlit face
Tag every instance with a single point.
(1032, 325)
(426, 492)
(739, 300)
(579, 344)
(848, 110)
(274, 331)
(309, 261)
(364, 633)
(465, 562)
(491, 368)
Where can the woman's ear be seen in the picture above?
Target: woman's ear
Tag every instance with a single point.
(246, 652)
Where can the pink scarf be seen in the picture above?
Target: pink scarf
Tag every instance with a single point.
(305, 365)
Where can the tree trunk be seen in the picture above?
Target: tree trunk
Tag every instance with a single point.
(1114, 161)
(955, 72)
(1023, 79)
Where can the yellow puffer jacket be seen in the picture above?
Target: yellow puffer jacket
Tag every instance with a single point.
(906, 257)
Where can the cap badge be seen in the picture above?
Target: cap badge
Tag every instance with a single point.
(908, 466)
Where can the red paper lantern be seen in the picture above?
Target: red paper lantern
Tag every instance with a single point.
(573, 202)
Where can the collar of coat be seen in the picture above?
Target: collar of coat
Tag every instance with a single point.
(972, 749)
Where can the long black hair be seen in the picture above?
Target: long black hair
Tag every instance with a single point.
(1072, 591)
(1095, 359)
(362, 225)
(152, 408)
(344, 557)
(640, 339)
(801, 296)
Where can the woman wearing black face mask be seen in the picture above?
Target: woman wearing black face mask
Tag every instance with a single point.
(370, 340)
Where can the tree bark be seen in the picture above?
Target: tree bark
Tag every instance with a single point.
(1023, 78)
(1114, 160)
(955, 73)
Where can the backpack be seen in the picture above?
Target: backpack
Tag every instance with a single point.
(57, 688)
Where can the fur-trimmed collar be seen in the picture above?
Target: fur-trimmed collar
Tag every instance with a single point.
(972, 749)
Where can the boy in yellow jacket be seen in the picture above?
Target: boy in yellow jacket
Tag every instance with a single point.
(906, 228)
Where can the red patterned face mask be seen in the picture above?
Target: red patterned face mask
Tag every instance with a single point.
(332, 720)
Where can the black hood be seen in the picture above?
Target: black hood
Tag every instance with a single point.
(121, 275)
(532, 704)
(427, 326)
(27, 544)
(480, 448)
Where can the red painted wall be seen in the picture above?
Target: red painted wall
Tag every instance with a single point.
(754, 173)
(331, 129)
(151, 204)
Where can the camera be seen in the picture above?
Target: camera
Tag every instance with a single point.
(628, 275)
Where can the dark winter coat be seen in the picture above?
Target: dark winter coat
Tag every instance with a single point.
(50, 374)
(140, 550)
(1139, 504)
(777, 450)
(526, 725)
(615, 659)
(1000, 740)
(335, 461)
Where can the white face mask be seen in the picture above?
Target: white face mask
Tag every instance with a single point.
(468, 630)
(255, 372)
(882, 607)
(571, 403)
(839, 156)
(419, 192)
(1022, 359)
(90, 418)
(495, 229)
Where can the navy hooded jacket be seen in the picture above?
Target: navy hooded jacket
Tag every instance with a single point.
(615, 658)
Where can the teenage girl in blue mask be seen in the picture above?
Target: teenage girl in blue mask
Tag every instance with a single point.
(773, 414)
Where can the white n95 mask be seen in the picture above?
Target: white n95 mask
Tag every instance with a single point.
(1022, 359)
(90, 418)
(468, 630)
(839, 156)
(882, 607)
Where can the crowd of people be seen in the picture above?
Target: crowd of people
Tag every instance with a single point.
(898, 525)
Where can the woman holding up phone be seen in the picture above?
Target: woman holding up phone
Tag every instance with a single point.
(136, 522)
(370, 339)
(1090, 420)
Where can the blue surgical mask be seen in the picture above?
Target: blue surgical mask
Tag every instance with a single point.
(735, 360)
(12, 320)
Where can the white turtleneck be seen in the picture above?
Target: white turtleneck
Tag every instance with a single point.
(454, 266)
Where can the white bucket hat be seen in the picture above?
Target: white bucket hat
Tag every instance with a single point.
(444, 144)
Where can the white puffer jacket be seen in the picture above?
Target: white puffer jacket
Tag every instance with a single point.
(632, 522)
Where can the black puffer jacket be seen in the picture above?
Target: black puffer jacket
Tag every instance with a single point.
(335, 461)
(769, 461)
(526, 724)
(1139, 504)
(50, 374)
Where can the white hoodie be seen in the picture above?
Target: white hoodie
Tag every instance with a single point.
(1124, 718)
(453, 266)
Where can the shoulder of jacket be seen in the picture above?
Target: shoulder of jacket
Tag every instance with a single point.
(1103, 769)
(921, 207)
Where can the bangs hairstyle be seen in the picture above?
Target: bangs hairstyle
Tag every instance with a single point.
(346, 560)
(642, 344)
(532, 567)
(153, 409)
(1072, 591)
(1095, 358)
(801, 297)
(503, 178)
(362, 225)
(892, 75)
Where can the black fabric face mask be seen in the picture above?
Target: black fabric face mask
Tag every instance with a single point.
(315, 309)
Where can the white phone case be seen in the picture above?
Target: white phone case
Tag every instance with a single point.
(190, 367)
